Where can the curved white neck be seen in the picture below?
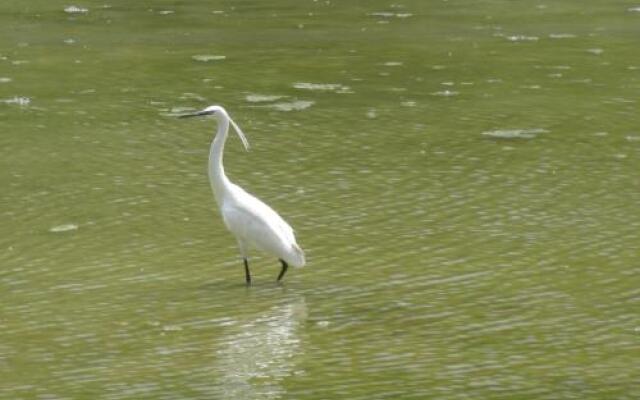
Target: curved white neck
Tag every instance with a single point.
(219, 181)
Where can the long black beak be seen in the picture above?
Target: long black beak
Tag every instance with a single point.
(196, 114)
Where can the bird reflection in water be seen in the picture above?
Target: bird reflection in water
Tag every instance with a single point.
(261, 353)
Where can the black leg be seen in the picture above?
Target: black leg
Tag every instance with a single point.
(246, 271)
(284, 269)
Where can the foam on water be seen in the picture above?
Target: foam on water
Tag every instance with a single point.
(445, 93)
(562, 36)
(63, 228)
(522, 38)
(323, 87)
(262, 98)
(76, 10)
(208, 57)
(21, 101)
(388, 14)
(515, 133)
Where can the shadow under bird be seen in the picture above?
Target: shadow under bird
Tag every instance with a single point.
(253, 223)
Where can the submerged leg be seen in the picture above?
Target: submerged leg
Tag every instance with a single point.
(284, 269)
(246, 271)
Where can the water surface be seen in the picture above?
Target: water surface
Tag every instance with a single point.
(462, 175)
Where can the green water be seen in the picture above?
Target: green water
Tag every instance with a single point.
(463, 176)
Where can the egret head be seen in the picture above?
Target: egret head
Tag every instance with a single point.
(216, 111)
(221, 115)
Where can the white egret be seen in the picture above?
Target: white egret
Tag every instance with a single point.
(254, 224)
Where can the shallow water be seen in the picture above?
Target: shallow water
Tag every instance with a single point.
(463, 177)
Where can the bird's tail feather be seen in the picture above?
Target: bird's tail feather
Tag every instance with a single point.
(298, 255)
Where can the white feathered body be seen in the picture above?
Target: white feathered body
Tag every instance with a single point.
(256, 225)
